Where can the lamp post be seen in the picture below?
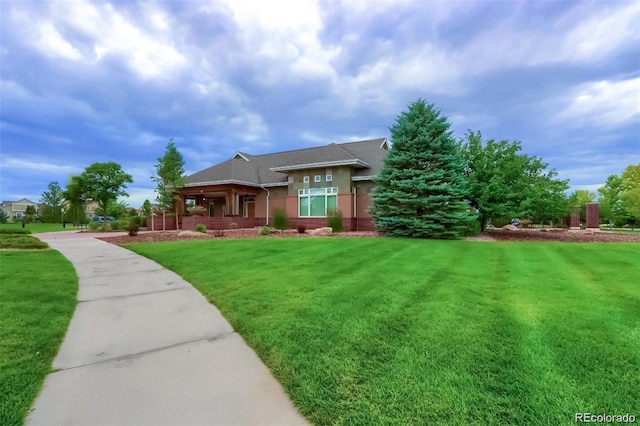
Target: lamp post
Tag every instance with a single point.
(62, 216)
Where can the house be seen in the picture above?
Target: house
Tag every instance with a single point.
(305, 184)
(16, 210)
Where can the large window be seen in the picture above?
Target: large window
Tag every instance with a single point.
(315, 202)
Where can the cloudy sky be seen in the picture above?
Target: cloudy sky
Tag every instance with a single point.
(84, 81)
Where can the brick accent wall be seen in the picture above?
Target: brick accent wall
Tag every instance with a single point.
(189, 222)
(593, 215)
(574, 220)
(170, 223)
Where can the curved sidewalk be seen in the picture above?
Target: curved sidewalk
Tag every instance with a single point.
(145, 348)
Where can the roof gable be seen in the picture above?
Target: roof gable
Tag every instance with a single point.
(366, 156)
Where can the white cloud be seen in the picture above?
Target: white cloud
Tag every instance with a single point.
(603, 103)
(37, 166)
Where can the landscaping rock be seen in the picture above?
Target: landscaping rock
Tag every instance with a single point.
(321, 231)
(190, 234)
(510, 228)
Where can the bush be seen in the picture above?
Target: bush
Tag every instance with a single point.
(133, 228)
(201, 227)
(280, 219)
(334, 220)
(93, 226)
(143, 222)
(233, 225)
(119, 225)
(301, 229)
(134, 220)
(265, 230)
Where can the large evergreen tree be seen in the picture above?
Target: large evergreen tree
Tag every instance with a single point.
(421, 190)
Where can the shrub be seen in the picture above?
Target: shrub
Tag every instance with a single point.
(93, 226)
(334, 220)
(301, 229)
(119, 225)
(143, 222)
(280, 219)
(134, 220)
(201, 227)
(133, 228)
(233, 225)
(265, 230)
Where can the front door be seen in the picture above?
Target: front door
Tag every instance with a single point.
(249, 207)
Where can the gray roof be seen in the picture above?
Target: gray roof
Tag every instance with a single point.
(366, 156)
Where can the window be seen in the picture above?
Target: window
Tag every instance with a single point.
(315, 202)
(18, 215)
(328, 177)
(317, 178)
(306, 179)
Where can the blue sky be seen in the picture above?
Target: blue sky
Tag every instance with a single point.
(83, 82)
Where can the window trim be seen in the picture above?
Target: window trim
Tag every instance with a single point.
(316, 192)
(305, 179)
(317, 178)
(329, 177)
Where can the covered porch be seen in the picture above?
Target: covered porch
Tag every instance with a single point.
(220, 201)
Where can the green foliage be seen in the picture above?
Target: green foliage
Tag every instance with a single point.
(3, 216)
(506, 184)
(37, 299)
(611, 207)
(578, 201)
(134, 226)
(52, 200)
(201, 227)
(334, 220)
(146, 209)
(118, 225)
(75, 201)
(421, 189)
(117, 209)
(630, 194)
(30, 214)
(93, 226)
(265, 230)
(280, 219)
(104, 183)
(301, 229)
(170, 175)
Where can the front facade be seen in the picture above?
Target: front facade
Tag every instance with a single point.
(304, 184)
(16, 210)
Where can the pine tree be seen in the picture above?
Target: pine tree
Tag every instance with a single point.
(421, 191)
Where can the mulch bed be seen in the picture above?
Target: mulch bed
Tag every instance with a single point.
(493, 235)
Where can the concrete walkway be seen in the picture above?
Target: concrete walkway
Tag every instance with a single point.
(145, 348)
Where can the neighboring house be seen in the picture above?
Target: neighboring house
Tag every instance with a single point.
(16, 210)
(305, 184)
(89, 208)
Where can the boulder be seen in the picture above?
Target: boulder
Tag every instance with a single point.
(510, 227)
(190, 234)
(327, 230)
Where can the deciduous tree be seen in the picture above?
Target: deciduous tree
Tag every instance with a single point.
(505, 183)
(421, 189)
(104, 183)
(610, 202)
(630, 194)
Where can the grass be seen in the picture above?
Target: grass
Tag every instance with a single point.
(20, 241)
(393, 331)
(37, 298)
(37, 227)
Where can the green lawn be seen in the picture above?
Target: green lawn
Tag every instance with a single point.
(38, 227)
(393, 331)
(37, 298)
